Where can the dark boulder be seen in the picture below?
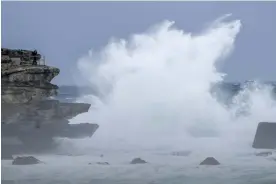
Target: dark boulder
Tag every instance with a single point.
(265, 137)
(210, 161)
(138, 161)
(28, 160)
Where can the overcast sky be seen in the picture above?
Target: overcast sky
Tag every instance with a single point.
(65, 31)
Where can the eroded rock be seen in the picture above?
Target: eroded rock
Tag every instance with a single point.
(210, 161)
(27, 113)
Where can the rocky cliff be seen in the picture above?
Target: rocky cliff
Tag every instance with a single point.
(26, 108)
(22, 81)
(28, 83)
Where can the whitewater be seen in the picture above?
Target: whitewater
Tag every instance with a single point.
(154, 97)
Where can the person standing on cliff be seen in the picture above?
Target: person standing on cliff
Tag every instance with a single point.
(34, 54)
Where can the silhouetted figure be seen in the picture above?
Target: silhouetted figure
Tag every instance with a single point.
(34, 54)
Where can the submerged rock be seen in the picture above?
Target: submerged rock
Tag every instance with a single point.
(210, 161)
(102, 163)
(29, 160)
(181, 153)
(264, 154)
(138, 161)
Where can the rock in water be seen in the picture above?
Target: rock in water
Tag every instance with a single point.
(29, 160)
(138, 161)
(265, 137)
(102, 163)
(181, 153)
(210, 161)
(264, 154)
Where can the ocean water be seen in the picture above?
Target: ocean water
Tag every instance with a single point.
(160, 92)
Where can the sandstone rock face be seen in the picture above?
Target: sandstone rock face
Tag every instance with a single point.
(48, 111)
(31, 73)
(28, 83)
(265, 137)
(210, 161)
(23, 82)
(27, 112)
(26, 92)
(30, 160)
(13, 57)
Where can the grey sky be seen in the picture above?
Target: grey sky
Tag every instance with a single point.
(65, 31)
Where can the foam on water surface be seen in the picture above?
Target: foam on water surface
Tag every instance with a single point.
(154, 99)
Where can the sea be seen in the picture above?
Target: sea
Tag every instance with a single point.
(160, 96)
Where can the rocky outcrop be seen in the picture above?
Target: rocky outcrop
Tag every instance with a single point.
(22, 81)
(265, 137)
(264, 153)
(74, 131)
(29, 160)
(210, 161)
(27, 112)
(26, 92)
(28, 83)
(11, 58)
(138, 161)
(30, 73)
(47, 111)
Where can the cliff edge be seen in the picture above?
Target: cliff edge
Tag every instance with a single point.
(25, 77)
(27, 113)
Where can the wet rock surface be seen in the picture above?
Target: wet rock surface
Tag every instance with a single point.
(28, 160)
(264, 153)
(210, 161)
(138, 161)
(27, 112)
(265, 137)
(44, 112)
